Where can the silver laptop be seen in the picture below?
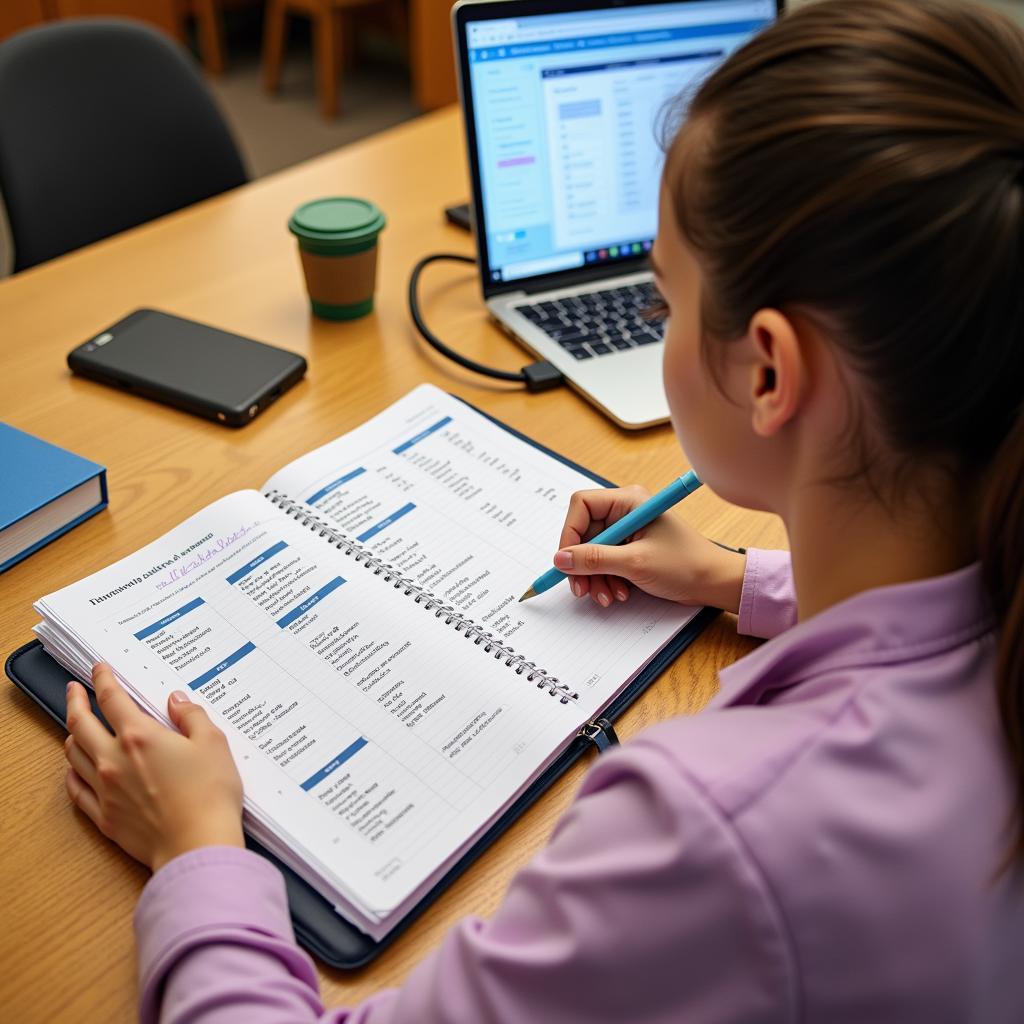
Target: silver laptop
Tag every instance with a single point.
(561, 101)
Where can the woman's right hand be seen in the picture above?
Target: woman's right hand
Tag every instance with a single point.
(667, 559)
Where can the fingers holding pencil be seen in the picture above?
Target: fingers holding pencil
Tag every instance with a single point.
(616, 537)
(598, 570)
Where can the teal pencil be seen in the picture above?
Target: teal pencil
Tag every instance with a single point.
(640, 517)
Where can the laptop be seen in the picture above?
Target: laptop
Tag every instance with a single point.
(562, 101)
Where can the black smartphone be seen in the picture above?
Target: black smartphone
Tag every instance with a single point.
(460, 215)
(191, 366)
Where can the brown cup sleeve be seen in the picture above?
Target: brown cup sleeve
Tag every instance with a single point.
(340, 280)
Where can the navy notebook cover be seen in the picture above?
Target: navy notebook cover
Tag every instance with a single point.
(35, 474)
(318, 926)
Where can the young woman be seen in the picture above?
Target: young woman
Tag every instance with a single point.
(838, 838)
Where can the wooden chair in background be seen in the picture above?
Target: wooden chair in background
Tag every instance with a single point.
(426, 31)
(431, 56)
(18, 14)
(333, 39)
(170, 15)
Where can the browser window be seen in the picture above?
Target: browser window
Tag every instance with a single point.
(566, 112)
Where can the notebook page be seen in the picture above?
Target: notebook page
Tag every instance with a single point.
(467, 510)
(371, 737)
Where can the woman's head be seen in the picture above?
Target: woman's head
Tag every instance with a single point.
(851, 184)
(863, 164)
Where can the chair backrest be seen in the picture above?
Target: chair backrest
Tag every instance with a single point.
(104, 124)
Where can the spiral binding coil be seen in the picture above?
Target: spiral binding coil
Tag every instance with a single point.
(452, 617)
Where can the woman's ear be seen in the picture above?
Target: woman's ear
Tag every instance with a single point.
(777, 372)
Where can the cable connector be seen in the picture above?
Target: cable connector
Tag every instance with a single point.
(542, 376)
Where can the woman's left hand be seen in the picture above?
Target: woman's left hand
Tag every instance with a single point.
(157, 793)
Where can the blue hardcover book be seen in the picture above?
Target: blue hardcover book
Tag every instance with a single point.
(46, 491)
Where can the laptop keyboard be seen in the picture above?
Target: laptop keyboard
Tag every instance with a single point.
(598, 323)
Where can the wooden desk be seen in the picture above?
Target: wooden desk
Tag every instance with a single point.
(66, 944)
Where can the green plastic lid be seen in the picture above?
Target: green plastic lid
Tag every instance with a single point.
(337, 225)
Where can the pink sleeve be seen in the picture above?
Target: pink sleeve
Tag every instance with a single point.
(767, 600)
(644, 907)
(215, 945)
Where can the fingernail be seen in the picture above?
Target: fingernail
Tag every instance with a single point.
(67, 691)
(563, 559)
(574, 586)
(621, 593)
(179, 697)
(603, 598)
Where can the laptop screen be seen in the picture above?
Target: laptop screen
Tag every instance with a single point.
(566, 109)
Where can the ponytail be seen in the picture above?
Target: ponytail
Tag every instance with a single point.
(1002, 563)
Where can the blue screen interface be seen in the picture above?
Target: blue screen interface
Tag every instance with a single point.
(567, 111)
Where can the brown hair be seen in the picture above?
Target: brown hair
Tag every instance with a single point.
(864, 162)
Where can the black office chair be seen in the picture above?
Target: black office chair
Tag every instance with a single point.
(104, 124)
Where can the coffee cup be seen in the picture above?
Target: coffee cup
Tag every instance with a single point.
(338, 248)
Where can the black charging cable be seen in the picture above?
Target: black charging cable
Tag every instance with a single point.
(538, 376)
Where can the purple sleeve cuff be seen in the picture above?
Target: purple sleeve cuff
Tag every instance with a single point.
(217, 896)
(768, 599)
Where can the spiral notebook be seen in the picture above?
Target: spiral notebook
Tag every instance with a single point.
(355, 630)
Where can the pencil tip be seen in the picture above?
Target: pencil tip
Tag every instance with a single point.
(526, 597)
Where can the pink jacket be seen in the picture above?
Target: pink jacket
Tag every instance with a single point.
(820, 844)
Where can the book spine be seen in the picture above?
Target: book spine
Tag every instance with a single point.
(452, 616)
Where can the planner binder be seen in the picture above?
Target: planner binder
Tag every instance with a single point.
(318, 926)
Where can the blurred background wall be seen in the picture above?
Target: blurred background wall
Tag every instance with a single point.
(392, 60)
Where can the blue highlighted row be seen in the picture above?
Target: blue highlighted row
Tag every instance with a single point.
(208, 677)
(324, 491)
(351, 749)
(299, 610)
(405, 445)
(385, 523)
(168, 619)
(257, 561)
